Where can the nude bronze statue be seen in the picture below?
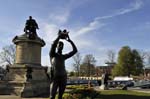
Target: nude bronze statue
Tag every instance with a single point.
(59, 79)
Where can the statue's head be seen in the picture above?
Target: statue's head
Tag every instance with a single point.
(30, 17)
(60, 46)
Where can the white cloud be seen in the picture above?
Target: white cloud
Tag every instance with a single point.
(97, 21)
(90, 27)
(132, 7)
(62, 13)
(82, 43)
(60, 17)
(50, 31)
(45, 60)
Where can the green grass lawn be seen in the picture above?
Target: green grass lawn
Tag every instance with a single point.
(109, 94)
(122, 94)
(81, 92)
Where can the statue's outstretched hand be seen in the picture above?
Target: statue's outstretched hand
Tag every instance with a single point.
(59, 33)
(68, 39)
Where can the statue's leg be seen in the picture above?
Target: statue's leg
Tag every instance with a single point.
(34, 32)
(62, 86)
(54, 89)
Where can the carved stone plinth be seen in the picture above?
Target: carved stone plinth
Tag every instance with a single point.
(26, 77)
(17, 83)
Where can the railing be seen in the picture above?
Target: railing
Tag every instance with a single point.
(75, 82)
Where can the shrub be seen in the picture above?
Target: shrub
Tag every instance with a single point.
(86, 93)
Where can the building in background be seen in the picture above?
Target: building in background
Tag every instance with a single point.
(105, 69)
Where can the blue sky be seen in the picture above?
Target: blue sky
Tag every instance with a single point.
(95, 26)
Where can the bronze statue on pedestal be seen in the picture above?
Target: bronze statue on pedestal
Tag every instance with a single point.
(30, 28)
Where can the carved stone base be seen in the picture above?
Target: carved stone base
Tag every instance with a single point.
(35, 89)
(25, 81)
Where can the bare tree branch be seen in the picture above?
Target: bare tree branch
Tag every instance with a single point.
(77, 62)
(89, 62)
(111, 56)
(7, 55)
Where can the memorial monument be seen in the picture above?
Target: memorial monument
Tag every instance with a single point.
(27, 77)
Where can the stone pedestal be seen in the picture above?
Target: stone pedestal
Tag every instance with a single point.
(28, 51)
(26, 77)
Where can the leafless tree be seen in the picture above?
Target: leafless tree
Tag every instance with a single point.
(90, 61)
(7, 55)
(144, 56)
(148, 58)
(77, 62)
(111, 56)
